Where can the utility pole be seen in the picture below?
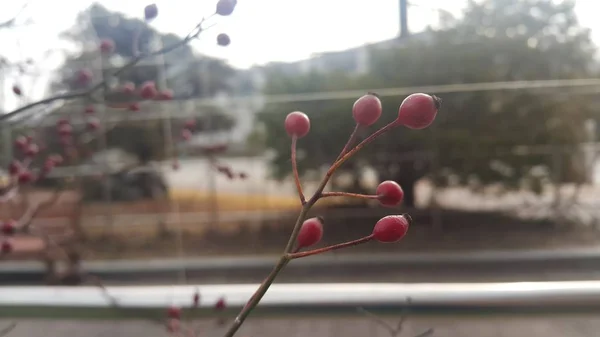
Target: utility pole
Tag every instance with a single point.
(403, 19)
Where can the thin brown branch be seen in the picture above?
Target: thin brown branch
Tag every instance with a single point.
(350, 195)
(350, 141)
(8, 329)
(10, 22)
(88, 92)
(295, 171)
(331, 248)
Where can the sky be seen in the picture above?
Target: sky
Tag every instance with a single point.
(261, 30)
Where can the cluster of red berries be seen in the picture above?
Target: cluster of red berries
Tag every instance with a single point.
(174, 313)
(7, 229)
(28, 149)
(417, 111)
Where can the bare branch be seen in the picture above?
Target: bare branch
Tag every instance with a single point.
(10, 22)
(88, 92)
(7, 329)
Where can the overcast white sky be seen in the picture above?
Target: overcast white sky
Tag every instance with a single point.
(261, 30)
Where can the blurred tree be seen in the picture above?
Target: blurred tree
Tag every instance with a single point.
(187, 74)
(476, 132)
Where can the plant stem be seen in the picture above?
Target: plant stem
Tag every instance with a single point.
(350, 141)
(295, 171)
(346, 194)
(283, 260)
(360, 145)
(330, 248)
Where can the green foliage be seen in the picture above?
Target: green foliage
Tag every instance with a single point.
(497, 40)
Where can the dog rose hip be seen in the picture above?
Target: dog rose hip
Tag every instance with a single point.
(310, 233)
(391, 228)
(418, 111)
(297, 124)
(367, 109)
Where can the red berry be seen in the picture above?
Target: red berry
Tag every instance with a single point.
(186, 134)
(190, 124)
(310, 233)
(93, 124)
(150, 12)
(128, 88)
(21, 142)
(56, 159)
(107, 46)
(90, 109)
(220, 305)
(367, 109)
(391, 228)
(14, 167)
(17, 90)
(148, 90)
(65, 130)
(226, 7)
(389, 193)
(134, 106)
(84, 76)
(297, 123)
(6, 247)
(223, 40)
(9, 227)
(25, 177)
(32, 150)
(49, 164)
(174, 312)
(418, 111)
(165, 95)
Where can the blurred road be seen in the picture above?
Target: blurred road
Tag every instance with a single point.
(449, 267)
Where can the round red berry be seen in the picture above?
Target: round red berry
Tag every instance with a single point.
(150, 12)
(148, 90)
(90, 109)
(6, 247)
(174, 312)
(65, 129)
(297, 124)
(389, 193)
(25, 177)
(9, 227)
(190, 124)
(418, 111)
(21, 143)
(14, 167)
(226, 7)
(391, 228)
(165, 95)
(310, 233)
(220, 305)
(223, 40)
(367, 109)
(17, 90)
(93, 124)
(107, 46)
(128, 88)
(186, 134)
(84, 76)
(32, 150)
(134, 106)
